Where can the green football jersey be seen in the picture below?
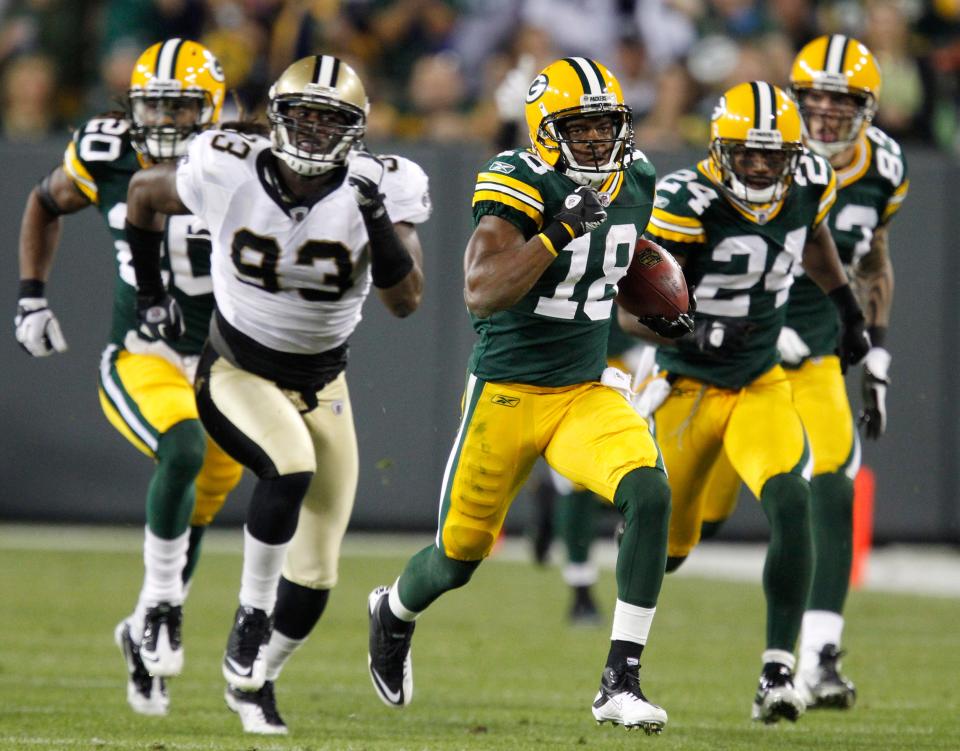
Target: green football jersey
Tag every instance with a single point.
(870, 190)
(557, 334)
(741, 262)
(101, 160)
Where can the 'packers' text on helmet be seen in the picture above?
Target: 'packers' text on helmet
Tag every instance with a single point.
(837, 65)
(755, 142)
(577, 120)
(318, 111)
(176, 91)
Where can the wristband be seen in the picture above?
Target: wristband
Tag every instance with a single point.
(878, 335)
(390, 260)
(145, 250)
(31, 288)
(556, 236)
(846, 303)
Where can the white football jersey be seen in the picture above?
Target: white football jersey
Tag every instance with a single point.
(294, 280)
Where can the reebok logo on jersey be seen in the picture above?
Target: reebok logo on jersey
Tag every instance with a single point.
(502, 167)
(505, 401)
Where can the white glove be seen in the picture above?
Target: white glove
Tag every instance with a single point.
(512, 91)
(792, 348)
(364, 174)
(38, 330)
(649, 398)
(876, 380)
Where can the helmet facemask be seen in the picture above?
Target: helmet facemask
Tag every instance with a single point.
(314, 134)
(843, 111)
(593, 140)
(164, 118)
(758, 170)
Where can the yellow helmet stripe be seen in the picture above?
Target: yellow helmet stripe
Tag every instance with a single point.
(836, 53)
(325, 71)
(167, 60)
(590, 77)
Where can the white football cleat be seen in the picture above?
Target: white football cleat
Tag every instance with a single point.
(146, 694)
(257, 710)
(621, 701)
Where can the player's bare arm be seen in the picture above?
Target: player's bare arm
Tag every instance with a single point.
(821, 260)
(152, 195)
(874, 281)
(404, 297)
(500, 266)
(53, 197)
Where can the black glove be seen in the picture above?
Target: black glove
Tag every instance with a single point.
(160, 318)
(718, 337)
(582, 212)
(671, 328)
(876, 379)
(854, 342)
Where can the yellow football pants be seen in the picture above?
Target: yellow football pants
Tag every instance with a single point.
(588, 433)
(709, 435)
(143, 396)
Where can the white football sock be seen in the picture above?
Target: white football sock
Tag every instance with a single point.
(580, 574)
(820, 627)
(780, 656)
(631, 622)
(278, 651)
(397, 607)
(262, 564)
(163, 562)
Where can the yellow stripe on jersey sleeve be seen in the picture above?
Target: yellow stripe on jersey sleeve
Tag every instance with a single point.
(681, 229)
(826, 202)
(79, 174)
(509, 200)
(496, 178)
(493, 186)
(895, 202)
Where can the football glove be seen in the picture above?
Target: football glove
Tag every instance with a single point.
(669, 328)
(719, 337)
(364, 175)
(793, 350)
(582, 211)
(160, 318)
(876, 379)
(38, 330)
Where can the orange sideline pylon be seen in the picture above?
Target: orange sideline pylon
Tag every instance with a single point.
(864, 485)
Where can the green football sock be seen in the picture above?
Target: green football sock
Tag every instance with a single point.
(576, 520)
(170, 495)
(786, 573)
(193, 552)
(643, 497)
(831, 506)
(428, 575)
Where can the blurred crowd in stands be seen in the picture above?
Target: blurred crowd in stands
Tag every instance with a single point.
(433, 67)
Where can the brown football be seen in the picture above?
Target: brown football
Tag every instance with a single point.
(654, 283)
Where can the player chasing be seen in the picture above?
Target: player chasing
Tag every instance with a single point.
(739, 222)
(555, 226)
(301, 224)
(176, 92)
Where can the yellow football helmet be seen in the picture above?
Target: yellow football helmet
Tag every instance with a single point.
(755, 123)
(571, 89)
(318, 111)
(176, 90)
(840, 65)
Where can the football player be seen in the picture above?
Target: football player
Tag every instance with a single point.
(835, 81)
(555, 227)
(176, 92)
(739, 221)
(301, 224)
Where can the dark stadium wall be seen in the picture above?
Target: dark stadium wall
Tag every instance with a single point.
(63, 462)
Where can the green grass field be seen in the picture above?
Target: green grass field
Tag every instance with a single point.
(496, 667)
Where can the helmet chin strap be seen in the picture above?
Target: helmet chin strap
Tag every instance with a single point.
(305, 167)
(752, 195)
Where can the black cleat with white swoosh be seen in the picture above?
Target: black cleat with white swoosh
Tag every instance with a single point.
(243, 664)
(391, 668)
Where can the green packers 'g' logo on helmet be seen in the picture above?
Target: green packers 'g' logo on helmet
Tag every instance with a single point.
(577, 120)
(318, 111)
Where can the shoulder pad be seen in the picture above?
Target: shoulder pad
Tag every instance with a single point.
(406, 188)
